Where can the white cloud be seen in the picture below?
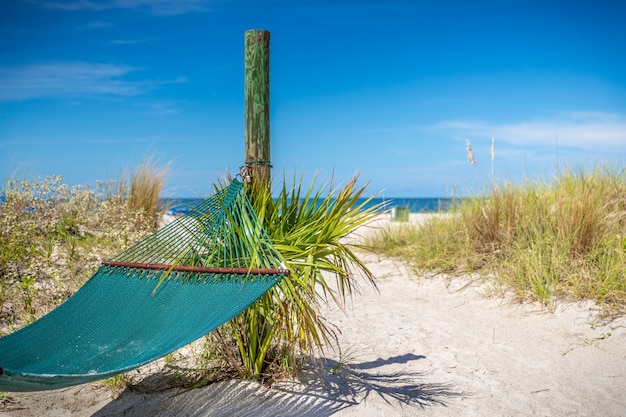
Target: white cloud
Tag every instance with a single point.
(70, 5)
(157, 7)
(96, 25)
(71, 79)
(59, 142)
(128, 41)
(584, 130)
(162, 108)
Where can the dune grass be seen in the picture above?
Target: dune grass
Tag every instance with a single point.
(564, 239)
(146, 184)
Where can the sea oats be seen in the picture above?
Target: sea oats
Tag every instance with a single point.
(470, 152)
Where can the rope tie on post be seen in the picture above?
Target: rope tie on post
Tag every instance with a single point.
(246, 170)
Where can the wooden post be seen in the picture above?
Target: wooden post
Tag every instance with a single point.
(257, 106)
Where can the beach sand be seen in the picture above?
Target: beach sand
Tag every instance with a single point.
(420, 345)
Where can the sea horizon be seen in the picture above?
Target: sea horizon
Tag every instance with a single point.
(415, 204)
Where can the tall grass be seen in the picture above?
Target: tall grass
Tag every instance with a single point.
(564, 239)
(146, 184)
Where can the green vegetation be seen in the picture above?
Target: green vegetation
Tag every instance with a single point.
(308, 227)
(560, 240)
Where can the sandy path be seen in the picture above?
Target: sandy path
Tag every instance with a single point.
(477, 356)
(419, 346)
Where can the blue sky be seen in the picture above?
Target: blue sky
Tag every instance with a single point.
(387, 89)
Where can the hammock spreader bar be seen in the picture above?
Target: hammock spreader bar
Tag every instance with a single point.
(199, 269)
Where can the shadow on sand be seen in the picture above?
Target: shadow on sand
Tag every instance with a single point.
(323, 391)
(350, 384)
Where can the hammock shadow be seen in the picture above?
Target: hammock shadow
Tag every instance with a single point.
(322, 392)
(221, 399)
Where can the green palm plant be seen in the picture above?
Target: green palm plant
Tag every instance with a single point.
(308, 227)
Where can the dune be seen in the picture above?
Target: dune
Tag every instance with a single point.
(421, 345)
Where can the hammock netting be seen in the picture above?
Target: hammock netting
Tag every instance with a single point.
(162, 293)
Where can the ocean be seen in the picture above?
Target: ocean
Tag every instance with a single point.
(415, 205)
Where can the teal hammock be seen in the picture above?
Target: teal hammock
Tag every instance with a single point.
(162, 293)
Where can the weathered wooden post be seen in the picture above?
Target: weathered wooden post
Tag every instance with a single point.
(257, 106)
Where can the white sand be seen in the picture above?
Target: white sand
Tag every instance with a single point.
(420, 346)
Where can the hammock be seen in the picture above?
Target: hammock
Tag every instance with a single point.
(162, 293)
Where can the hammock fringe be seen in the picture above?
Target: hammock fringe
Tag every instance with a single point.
(198, 269)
